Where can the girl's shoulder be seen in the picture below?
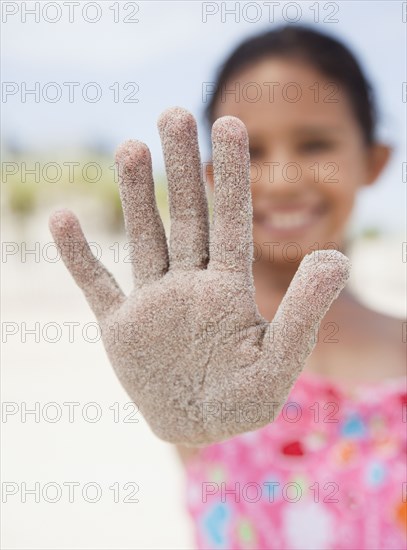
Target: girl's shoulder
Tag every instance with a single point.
(358, 345)
(367, 322)
(388, 338)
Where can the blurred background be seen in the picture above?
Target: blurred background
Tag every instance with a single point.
(77, 80)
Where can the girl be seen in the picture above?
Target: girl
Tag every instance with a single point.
(329, 472)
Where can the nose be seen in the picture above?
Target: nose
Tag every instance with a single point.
(278, 173)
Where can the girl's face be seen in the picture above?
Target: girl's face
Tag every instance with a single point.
(308, 156)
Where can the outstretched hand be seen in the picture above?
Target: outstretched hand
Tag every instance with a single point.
(189, 345)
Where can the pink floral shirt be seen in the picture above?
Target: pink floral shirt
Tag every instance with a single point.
(329, 473)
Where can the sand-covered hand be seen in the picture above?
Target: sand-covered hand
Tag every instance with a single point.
(188, 343)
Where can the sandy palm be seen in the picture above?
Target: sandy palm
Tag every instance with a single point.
(189, 344)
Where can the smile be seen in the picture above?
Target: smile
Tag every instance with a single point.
(289, 220)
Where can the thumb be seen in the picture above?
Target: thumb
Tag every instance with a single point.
(290, 337)
(99, 286)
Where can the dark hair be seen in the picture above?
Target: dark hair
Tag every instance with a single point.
(327, 54)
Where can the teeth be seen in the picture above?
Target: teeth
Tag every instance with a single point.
(288, 220)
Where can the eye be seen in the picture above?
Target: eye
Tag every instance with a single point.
(316, 145)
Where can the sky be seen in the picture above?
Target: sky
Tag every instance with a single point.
(157, 55)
